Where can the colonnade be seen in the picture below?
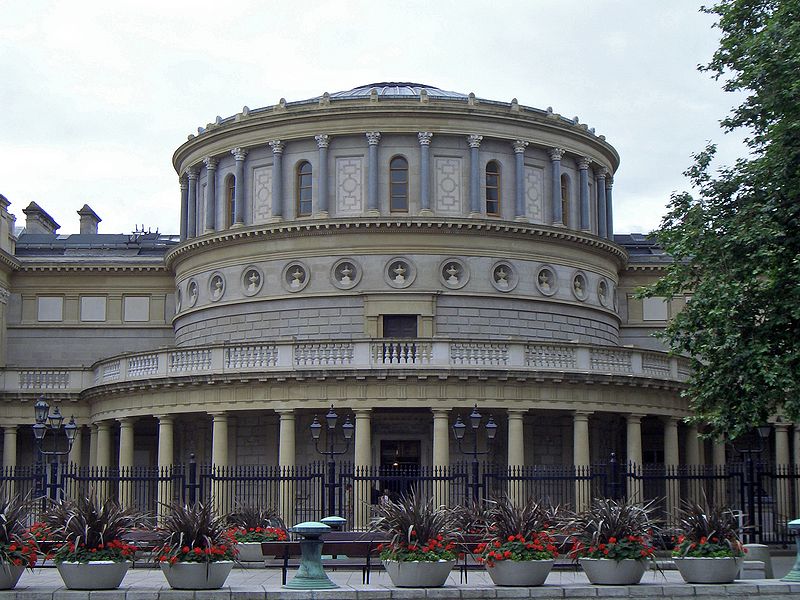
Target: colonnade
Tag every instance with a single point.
(191, 200)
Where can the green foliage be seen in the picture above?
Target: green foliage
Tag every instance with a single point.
(17, 544)
(250, 516)
(195, 533)
(736, 244)
(707, 531)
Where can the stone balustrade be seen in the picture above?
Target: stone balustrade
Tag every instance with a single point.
(438, 354)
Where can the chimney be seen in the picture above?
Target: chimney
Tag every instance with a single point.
(38, 221)
(89, 220)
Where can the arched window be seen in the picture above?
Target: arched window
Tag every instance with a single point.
(492, 188)
(565, 185)
(304, 189)
(230, 200)
(398, 184)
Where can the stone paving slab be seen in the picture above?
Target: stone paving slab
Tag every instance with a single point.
(265, 584)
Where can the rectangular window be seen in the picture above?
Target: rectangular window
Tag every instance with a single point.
(50, 309)
(136, 309)
(399, 326)
(93, 308)
(654, 309)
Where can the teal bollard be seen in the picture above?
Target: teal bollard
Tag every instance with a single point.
(794, 574)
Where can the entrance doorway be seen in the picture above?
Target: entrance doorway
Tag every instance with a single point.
(399, 466)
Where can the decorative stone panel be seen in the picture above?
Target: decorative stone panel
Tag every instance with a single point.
(346, 274)
(252, 281)
(216, 286)
(295, 277)
(534, 193)
(546, 280)
(503, 276)
(448, 186)
(349, 186)
(192, 293)
(580, 286)
(399, 272)
(262, 195)
(453, 273)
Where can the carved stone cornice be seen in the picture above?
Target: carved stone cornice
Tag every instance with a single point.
(323, 140)
(239, 153)
(373, 137)
(277, 146)
(474, 140)
(519, 146)
(556, 153)
(424, 138)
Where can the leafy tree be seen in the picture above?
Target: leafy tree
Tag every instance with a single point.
(736, 242)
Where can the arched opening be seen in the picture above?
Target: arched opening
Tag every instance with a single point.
(398, 184)
(493, 188)
(230, 200)
(565, 193)
(304, 206)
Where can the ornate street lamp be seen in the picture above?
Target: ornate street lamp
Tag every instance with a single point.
(459, 431)
(331, 451)
(50, 426)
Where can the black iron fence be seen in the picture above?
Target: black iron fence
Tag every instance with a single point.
(764, 496)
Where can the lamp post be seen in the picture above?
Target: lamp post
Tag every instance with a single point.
(750, 482)
(460, 428)
(50, 426)
(330, 451)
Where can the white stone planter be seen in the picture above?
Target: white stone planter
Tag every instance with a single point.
(9, 575)
(418, 574)
(197, 576)
(249, 552)
(708, 570)
(94, 575)
(607, 571)
(520, 572)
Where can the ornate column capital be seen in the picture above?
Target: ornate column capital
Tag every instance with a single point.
(323, 140)
(424, 138)
(277, 146)
(602, 172)
(183, 182)
(634, 417)
(519, 146)
(239, 153)
(168, 419)
(584, 162)
(609, 181)
(474, 140)
(556, 153)
(192, 172)
(373, 137)
(210, 162)
(4, 295)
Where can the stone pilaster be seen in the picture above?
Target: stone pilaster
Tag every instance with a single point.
(555, 170)
(126, 445)
(191, 210)
(373, 208)
(277, 179)
(184, 185)
(103, 444)
(76, 453)
(583, 169)
(166, 459)
(286, 461)
(359, 512)
(9, 446)
(519, 179)
(602, 216)
(441, 451)
(671, 461)
(323, 141)
(609, 208)
(633, 451)
(424, 138)
(581, 457)
(516, 454)
(474, 142)
(239, 155)
(211, 194)
(219, 460)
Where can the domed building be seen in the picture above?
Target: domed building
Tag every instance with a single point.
(399, 252)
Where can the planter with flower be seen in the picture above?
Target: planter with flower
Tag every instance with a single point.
(250, 525)
(519, 549)
(93, 555)
(612, 541)
(198, 553)
(707, 547)
(422, 550)
(18, 548)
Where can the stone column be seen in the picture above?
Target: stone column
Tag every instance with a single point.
(184, 206)
(671, 462)
(211, 193)
(581, 458)
(373, 138)
(441, 453)
(424, 138)
(783, 466)
(718, 450)
(693, 462)
(323, 141)
(602, 225)
(239, 154)
(92, 445)
(10, 456)
(555, 170)
(583, 169)
(516, 455)
(634, 454)
(126, 446)
(359, 513)
(609, 208)
(191, 210)
(166, 460)
(277, 179)
(474, 142)
(77, 447)
(286, 462)
(796, 471)
(519, 177)
(219, 460)
(103, 457)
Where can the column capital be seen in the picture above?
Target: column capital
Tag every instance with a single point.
(239, 153)
(519, 146)
(602, 172)
(102, 425)
(127, 421)
(634, 417)
(167, 419)
(669, 419)
(277, 146)
(781, 426)
(373, 137)
(192, 172)
(584, 162)
(609, 181)
(556, 153)
(285, 412)
(211, 162)
(441, 412)
(362, 412)
(424, 138)
(581, 415)
(474, 140)
(220, 415)
(323, 140)
(183, 182)
(516, 413)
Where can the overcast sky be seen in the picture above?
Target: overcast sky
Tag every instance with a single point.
(96, 96)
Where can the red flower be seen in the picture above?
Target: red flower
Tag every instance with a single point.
(612, 540)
